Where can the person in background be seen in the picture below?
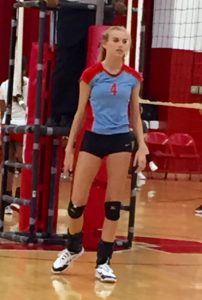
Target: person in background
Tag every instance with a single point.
(18, 117)
(153, 167)
(111, 87)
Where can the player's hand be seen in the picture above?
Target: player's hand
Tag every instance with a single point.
(68, 162)
(140, 158)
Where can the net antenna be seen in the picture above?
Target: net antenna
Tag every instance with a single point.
(128, 26)
(17, 83)
(138, 34)
(138, 31)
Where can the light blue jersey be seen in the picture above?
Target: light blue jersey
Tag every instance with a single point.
(110, 96)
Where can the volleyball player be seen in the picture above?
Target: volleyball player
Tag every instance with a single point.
(112, 87)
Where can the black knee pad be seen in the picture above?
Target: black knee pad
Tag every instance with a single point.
(112, 210)
(74, 211)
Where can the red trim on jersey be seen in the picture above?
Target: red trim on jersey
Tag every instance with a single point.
(91, 72)
(131, 71)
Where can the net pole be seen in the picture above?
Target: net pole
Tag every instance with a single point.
(128, 26)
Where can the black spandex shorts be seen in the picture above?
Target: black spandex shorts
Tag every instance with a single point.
(102, 145)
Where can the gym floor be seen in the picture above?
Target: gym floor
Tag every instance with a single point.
(165, 261)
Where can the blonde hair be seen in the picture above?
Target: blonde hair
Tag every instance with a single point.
(105, 37)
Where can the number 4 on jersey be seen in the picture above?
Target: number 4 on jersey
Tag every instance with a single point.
(114, 89)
